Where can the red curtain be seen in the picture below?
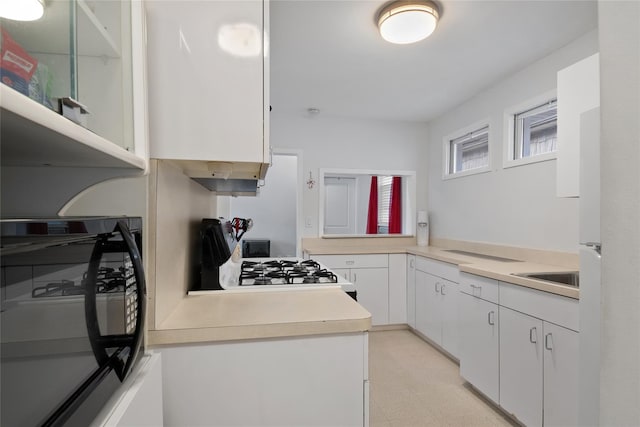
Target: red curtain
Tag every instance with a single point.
(372, 216)
(395, 208)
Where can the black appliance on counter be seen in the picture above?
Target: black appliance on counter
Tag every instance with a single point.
(256, 248)
(216, 243)
(72, 316)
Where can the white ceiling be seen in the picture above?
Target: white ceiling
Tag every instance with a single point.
(328, 54)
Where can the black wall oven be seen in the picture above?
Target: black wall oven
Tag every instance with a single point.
(72, 316)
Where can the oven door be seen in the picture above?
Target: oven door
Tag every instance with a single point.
(65, 351)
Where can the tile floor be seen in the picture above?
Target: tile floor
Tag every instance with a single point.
(413, 384)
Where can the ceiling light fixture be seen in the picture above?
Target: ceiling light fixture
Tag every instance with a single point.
(22, 10)
(404, 22)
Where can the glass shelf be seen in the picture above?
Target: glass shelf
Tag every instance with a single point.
(82, 50)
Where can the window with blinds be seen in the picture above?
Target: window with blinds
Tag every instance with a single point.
(469, 151)
(384, 203)
(535, 130)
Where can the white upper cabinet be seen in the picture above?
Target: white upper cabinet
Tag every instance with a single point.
(93, 52)
(578, 91)
(208, 86)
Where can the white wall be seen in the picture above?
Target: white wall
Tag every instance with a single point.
(273, 210)
(515, 206)
(619, 24)
(333, 142)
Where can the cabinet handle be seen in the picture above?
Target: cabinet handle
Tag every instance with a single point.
(442, 289)
(411, 263)
(473, 290)
(533, 335)
(491, 317)
(437, 289)
(548, 341)
(354, 278)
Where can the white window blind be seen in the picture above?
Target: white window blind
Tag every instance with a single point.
(384, 202)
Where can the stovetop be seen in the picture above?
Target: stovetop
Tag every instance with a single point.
(273, 274)
(284, 272)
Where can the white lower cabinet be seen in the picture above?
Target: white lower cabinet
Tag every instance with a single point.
(519, 347)
(370, 275)
(478, 348)
(521, 364)
(561, 379)
(372, 285)
(411, 290)
(538, 370)
(436, 310)
(435, 305)
(315, 380)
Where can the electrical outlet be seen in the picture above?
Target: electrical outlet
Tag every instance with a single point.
(307, 222)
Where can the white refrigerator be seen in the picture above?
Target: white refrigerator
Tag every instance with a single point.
(590, 270)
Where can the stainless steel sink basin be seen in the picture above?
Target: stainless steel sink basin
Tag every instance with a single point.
(568, 278)
(483, 256)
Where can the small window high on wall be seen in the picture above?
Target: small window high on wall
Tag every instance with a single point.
(467, 151)
(531, 131)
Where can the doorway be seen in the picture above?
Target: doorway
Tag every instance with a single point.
(274, 210)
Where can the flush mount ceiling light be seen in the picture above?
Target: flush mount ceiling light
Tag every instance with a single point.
(22, 10)
(404, 22)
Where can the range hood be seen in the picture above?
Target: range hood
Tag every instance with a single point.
(226, 178)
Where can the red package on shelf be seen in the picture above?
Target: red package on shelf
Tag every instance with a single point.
(16, 65)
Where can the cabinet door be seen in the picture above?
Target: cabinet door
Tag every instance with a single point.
(561, 352)
(206, 87)
(478, 350)
(397, 288)
(344, 272)
(449, 310)
(411, 290)
(521, 338)
(372, 285)
(428, 306)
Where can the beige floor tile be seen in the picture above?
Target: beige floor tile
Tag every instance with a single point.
(413, 384)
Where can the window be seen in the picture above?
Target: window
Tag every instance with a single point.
(535, 131)
(384, 203)
(530, 130)
(467, 152)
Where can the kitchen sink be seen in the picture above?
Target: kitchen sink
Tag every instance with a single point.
(568, 278)
(473, 254)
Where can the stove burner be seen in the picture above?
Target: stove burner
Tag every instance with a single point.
(284, 272)
(262, 281)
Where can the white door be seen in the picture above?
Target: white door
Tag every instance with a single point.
(561, 351)
(339, 206)
(521, 338)
(478, 351)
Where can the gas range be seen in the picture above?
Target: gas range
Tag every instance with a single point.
(264, 274)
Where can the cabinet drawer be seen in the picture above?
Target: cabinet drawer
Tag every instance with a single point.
(556, 309)
(438, 268)
(479, 287)
(353, 261)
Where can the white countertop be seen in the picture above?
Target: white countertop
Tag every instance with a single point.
(546, 261)
(224, 316)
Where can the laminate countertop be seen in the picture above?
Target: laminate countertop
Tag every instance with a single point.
(228, 315)
(495, 262)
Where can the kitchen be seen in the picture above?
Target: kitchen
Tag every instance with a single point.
(170, 192)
